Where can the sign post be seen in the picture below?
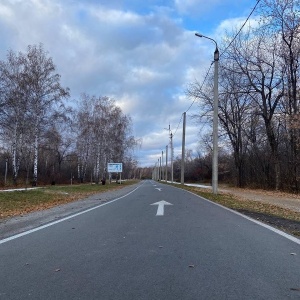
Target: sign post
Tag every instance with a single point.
(115, 168)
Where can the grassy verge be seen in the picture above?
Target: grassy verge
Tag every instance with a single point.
(22, 202)
(282, 218)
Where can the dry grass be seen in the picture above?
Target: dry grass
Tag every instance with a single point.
(282, 218)
(242, 204)
(22, 202)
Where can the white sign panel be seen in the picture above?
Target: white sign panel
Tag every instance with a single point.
(114, 167)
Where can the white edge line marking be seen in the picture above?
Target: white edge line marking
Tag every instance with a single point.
(288, 236)
(63, 219)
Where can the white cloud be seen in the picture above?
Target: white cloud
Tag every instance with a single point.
(144, 60)
(196, 6)
(233, 25)
(5, 12)
(114, 17)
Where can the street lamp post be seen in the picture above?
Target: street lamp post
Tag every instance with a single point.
(215, 117)
(183, 149)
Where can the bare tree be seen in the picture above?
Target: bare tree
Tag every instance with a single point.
(102, 135)
(255, 56)
(235, 106)
(44, 92)
(36, 125)
(282, 17)
(57, 144)
(14, 108)
(259, 106)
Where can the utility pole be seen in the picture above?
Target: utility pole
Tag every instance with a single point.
(153, 172)
(172, 152)
(166, 163)
(183, 149)
(159, 168)
(171, 144)
(162, 165)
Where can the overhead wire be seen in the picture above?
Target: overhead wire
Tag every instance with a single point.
(201, 85)
(178, 125)
(207, 73)
(243, 25)
(252, 11)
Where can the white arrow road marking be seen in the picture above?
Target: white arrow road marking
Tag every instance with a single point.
(158, 189)
(161, 205)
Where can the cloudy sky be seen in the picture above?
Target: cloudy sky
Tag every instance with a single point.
(142, 53)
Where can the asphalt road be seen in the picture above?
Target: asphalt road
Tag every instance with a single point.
(124, 250)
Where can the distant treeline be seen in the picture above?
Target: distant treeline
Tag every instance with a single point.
(42, 139)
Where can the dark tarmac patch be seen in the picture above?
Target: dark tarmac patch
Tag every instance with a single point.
(289, 226)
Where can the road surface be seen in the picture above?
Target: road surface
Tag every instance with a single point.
(158, 242)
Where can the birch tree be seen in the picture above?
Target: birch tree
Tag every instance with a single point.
(44, 93)
(103, 135)
(13, 109)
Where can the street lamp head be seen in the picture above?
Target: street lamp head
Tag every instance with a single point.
(206, 37)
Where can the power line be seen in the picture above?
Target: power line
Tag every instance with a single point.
(207, 73)
(241, 27)
(178, 125)
(247, 19)
(201, 86)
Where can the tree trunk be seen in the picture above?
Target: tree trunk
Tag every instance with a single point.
(15, 163)
(98, 166)
(277, 173)
(35, 159)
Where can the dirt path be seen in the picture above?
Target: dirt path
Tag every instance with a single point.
(285, 200)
